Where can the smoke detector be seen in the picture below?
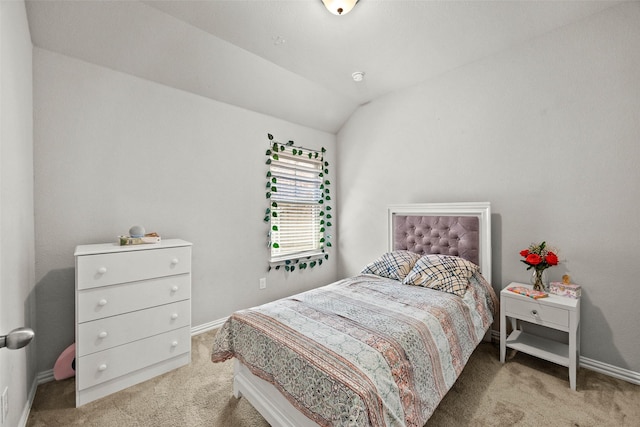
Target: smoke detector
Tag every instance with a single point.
(358, 76)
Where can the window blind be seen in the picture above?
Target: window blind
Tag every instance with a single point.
(296, 205)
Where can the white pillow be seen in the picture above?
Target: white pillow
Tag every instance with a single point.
(394, 265)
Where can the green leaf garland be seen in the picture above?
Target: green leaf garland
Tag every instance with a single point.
(271, 153)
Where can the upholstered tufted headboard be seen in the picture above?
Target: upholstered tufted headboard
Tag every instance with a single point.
(460, 229)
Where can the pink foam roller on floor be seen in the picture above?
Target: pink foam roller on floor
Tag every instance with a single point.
(65, 365)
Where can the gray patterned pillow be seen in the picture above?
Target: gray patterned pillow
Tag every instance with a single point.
(442, 272)
(394, 265)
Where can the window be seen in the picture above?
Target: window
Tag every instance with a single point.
(299, 214)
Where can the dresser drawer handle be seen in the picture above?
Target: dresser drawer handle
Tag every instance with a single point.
(534, 312)
(174, 344)
(175, 261)
(103, 334)
(102, 270)
(174, 316)
(174, 289)
(102, 302)
(102, 367)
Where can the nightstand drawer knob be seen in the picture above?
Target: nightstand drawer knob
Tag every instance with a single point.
(102, 302)
(102, 270)
(174, 289)
(102, 367)
(534, 312)
(174, 344)
(175, 261)
(174, 316)
(103, 334)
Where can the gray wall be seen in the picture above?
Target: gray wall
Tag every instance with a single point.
(113, 150)
(548, 133)
(17, 367)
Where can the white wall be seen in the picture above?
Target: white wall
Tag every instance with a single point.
(113, 150)
(548, 133)
(17, 305)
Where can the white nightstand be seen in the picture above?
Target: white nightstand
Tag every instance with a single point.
(556, 312)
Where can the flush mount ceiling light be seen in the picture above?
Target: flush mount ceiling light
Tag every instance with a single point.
(339, 7)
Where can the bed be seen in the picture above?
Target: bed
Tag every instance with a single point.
(381, 348)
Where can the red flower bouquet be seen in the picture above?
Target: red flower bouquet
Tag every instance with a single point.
(538, 257)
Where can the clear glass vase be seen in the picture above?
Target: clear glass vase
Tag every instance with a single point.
(539, 280)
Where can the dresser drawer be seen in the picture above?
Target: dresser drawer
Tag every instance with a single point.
(535, 312)
(97, 303)
(109, 332)
(120, 267)
(105, 365)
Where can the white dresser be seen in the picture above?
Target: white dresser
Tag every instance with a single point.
(133, 314)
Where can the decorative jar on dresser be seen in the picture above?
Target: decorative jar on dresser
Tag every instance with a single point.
(133, 314)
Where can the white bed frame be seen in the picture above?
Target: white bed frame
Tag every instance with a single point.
(266, 398)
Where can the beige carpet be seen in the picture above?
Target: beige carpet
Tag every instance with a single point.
(525, 392)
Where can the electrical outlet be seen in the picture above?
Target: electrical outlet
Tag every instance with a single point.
(4, 403)
(263, 283)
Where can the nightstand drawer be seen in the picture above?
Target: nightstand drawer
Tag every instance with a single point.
(533, 311)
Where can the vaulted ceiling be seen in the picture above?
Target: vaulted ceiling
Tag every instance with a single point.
(293, 59)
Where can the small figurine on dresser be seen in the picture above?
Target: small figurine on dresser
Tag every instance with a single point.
(565, 288)
(138, 236)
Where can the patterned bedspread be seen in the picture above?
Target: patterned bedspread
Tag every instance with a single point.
(363, 351)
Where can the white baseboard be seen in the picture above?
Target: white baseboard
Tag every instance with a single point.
(610, 370)
(594, 365)
(27, 405)
(44, 377)
(206, 327)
